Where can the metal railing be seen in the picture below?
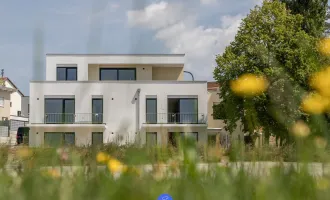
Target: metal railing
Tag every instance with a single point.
(175, 118)
(73, 118)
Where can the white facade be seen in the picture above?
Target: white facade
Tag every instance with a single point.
(124, 102)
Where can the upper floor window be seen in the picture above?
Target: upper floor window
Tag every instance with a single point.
(66, 73)
(117, 74)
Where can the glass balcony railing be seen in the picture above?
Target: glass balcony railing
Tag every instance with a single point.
(73, 118)
(175, 118)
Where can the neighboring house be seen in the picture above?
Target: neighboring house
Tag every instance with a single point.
(92, 99)
(15, 103)
(215, 126)
(5, 99)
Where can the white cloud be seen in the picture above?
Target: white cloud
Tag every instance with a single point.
(208, 1)
(181, 34)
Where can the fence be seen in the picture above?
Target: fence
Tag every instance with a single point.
(4, 128)
(10, 125)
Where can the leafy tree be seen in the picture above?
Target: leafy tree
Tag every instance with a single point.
(314, 14)
(270, 42)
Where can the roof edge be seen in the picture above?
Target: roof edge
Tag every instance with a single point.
(125, 82)
(73, 54)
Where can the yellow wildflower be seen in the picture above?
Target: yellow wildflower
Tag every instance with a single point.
(102, 157)
(322, 184)
(320, 142)
(321, 82)
(300, 129)
(249, 85)
(116, 166)
(52, 173)
(24, 152)
(324, 46)
(315, 104)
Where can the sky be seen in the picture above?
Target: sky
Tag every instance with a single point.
(201, 29)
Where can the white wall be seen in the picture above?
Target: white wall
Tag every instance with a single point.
(119, 106)
(16, 100)
(82, 62)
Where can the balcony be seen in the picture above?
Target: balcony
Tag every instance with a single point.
(73, 118)
(175, 118)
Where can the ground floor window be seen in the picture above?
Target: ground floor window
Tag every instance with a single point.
(97, 138)
(151, 138)
(211, 140)
(55, 139)
(173, 137)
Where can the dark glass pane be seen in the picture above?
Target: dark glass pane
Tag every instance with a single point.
(61, 73)
(126, 74)
(69, 111)
(108, 74)
(97, 138)
(53, 110)
(71, 74)
(53, 139)
(151, 139)
(151, 110)
(69, 139)
(97, 110)
(188, 111)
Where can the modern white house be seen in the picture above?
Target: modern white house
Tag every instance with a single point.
(91, 99)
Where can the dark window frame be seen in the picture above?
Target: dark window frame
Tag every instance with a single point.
(152, 98)
(63, 107)
(214, 103)
(63, 136)
(117, 71)
(97, 133)
(66, 73)
(184, 98)
(151, 133)
(97, 113)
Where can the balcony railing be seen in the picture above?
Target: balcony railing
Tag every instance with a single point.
(175, 118)
(73, 118)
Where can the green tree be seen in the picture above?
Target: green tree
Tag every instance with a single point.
(270, 42)
(314, 14)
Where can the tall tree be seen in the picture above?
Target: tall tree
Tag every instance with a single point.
(314, 14)
(269, 42)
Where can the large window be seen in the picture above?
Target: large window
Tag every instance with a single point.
(151, 110)
(97, 111)
(117, 74)
(183, 110)
(97, 138)
(174, 137)
(151, 138)
(58, 111)
(66, 73)
(2, 102)
(56, 139)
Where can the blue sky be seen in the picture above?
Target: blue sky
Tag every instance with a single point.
(199, 28)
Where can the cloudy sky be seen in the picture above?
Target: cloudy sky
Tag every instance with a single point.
(199, 28)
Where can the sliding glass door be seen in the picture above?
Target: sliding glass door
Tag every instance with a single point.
(59, 111)
(183, 110)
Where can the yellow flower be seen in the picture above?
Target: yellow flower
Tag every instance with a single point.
(324, 46)
(315, 104)
(102, 157)
(322, 184)
(321, 82)
(52, 173)
(249, 85)
(24, 152)
(116, 166)
(300, 129)
(320, 142)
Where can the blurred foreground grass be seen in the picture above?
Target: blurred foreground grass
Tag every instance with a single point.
(182, 179)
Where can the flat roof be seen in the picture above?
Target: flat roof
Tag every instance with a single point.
(125, 82)
(74, 54)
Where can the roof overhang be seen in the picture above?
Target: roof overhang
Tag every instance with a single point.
(7, 89)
